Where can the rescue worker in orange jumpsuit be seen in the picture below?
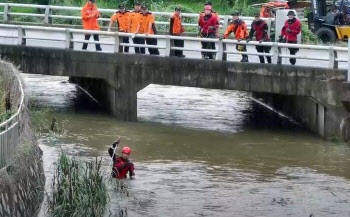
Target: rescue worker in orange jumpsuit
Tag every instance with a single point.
(208, 27)
(148, 27)
(89, 15)
(290, 32)
(121, 164)
(239, 29)
(260, 28)
(135, 25)
(122, 17)
(177, 29)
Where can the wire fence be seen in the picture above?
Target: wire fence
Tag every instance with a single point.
(12, 128)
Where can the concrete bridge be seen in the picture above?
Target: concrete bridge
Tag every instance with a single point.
(318, 97)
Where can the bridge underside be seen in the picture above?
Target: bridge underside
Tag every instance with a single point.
(116, 78)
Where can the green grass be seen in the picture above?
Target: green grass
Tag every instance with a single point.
(78, 189)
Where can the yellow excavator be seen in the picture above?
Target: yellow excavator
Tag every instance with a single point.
(329, 22)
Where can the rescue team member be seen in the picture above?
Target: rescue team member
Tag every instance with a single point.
(148, 27)
(89, 15)
(290, 32)
(239, 29)
(176, 29)
(214, 13)
(208, 25)
(122, 17)
(135, 24)
(121, 165)
(260, 28)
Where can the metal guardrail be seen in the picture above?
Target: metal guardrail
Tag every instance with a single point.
(220, 51)
(10, 131)
(49, 15)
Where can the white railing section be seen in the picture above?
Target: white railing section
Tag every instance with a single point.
(51, 13)
(10, 131)
(220, 51)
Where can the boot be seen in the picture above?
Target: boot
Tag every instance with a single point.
(244, 59)
(292, 61)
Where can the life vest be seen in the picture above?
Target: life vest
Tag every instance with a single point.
(208, 24)
(295, 27)
(90, 23)
(123, 20)
(259, 30)
(121, 168)
(175, 25)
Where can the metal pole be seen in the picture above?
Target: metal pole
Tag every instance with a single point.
(348, 61)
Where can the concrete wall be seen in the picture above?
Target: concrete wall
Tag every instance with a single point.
(125, 74)
(331, 122)
(22, 181)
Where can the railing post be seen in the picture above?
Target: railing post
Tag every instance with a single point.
(226, 19)
(48, 13)
(69, 37)
(7, 10)
(167, 45)
(21, 33)
(269, 22)
(348, 61)
(332, 64)
(116, 42)
(275, 54)
(220, 53)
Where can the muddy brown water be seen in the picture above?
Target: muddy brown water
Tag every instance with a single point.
(200, 152)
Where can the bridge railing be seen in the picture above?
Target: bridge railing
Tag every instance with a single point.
(223, 47)
(50, 13)
(10, 131)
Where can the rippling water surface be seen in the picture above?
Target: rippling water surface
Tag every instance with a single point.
(202, 152)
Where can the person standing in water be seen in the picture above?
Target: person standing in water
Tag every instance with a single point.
(121, 164)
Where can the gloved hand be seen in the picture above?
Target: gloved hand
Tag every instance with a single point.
(261, 41)
(248, 40)
(280, 39)
(116, 143)
(289, 30)
(221, 38)
(239, 40)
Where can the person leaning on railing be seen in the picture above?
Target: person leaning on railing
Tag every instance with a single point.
(122, 17)
(239, 29)
(290, 32)
(260, 28)
(89, 15)
(148, 27)
(208, 28)
(135, 24)
(177, 29)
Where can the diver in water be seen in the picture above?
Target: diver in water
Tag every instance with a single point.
(121, 164)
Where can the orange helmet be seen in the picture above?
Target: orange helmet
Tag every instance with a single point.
(126, 150)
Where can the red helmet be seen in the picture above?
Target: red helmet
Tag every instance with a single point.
(126, 150)
(207, 7)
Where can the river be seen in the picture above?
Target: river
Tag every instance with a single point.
(201, 152)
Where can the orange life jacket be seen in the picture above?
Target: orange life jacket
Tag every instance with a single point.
(175, 25)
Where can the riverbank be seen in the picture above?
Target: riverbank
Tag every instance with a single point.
(22, 178)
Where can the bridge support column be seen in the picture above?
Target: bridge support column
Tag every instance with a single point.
(120, 101)
(123, 103)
